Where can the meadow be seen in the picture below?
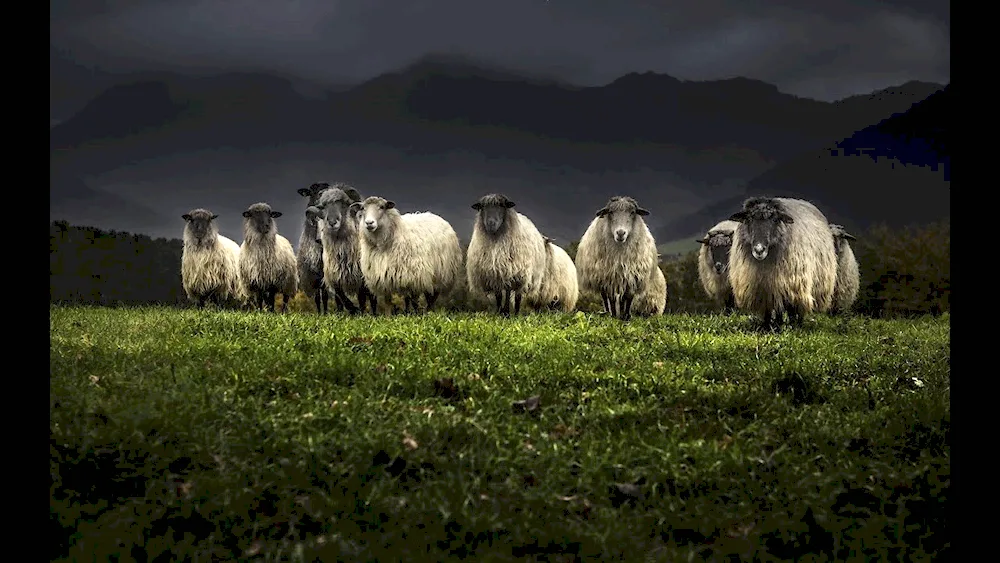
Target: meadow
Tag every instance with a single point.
(221, 435)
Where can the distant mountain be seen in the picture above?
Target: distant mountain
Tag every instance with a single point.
(452, 128)
(897, 171)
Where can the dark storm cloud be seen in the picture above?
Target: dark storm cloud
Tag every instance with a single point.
(812, 48)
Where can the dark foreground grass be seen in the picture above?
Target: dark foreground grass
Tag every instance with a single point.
(186, 435)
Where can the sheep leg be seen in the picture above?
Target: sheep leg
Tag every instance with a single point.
(606, 301)
(319, 302)
(201, 301)
(373, 300)
(730, 306)
(325, 295)
(348, 304)
(517, 302)
(431, 298)
(499, 298)
(626, 306)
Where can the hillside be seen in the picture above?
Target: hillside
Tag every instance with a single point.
(438, 134)
(896, 171)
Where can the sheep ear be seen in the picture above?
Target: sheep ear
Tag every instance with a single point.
(848, 236)
(214, 217)
(701, 240)
(355, 207)
(739, 216)
(602, 212)
(275, 214)
(785, 218)
(186, 217)
(390, 204)
(246, 214)
(305, 192)
(353, 194)
(509, 204)
(477, 206)
(641, 211)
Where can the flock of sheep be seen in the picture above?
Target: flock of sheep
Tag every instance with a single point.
(776, 255)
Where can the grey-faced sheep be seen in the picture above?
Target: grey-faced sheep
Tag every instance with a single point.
(616, 255)
(411, 254)
(341, 248)
(560, 288)
(713, 264)
(310, 261)
(209, 261)
(506, 255)
(782, 259)
(267, 260)
(845, 291)
(653, 299)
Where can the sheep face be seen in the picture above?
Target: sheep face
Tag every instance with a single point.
(313, 192)
(839, 236)
(314, 218)
(492, 212)
(259, 218)
(764, 226)
(719, 244)
(334, 202)
(620, 217)
(371, 213)
(200, 225)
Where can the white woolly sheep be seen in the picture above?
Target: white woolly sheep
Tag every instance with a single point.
(845, 291)
(560, 288)
(652, 300)
(341, 248)
(506, 255)
(616, 255)
(267, 260)
(713, 264)
(209, 261)
(310, 261)
(782, 259)
(410, 254)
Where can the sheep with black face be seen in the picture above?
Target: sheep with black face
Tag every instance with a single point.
(310, 261)
(267, 261)
(341, 248)
(713, 264)
(845, 292)
(616, 255)
(782, 259)
(209, 261)
(506, 255)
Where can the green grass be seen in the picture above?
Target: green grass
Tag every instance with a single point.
(221, 435)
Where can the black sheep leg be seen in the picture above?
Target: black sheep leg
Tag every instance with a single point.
(517, 302)
(431, 299)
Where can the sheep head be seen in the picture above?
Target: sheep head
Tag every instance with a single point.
(621, 214)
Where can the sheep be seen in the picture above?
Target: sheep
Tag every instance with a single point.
(341, 248)
(653, 299)
(409, 254)
(713, 264)
(782, 259)
(560, 288)
(845, 291)
(310, 261)
(617, 254)
(267, 260)
(506, 254)
(209, 261)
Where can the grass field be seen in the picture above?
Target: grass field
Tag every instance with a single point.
(225, 435)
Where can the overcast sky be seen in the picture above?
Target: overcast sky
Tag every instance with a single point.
(815, 48)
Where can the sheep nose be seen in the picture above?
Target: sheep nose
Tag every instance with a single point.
(620, 234)
(370, 224)
(718, 267)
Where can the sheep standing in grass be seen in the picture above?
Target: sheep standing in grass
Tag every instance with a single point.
(310, 261)
(506, 255)
(713, 264)
(341, 248)
(559, 288)
(652, 300)
(267, 260)
(845, 292)
(209, 261)
(410, 254)
(782, 259)
(616, 255)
